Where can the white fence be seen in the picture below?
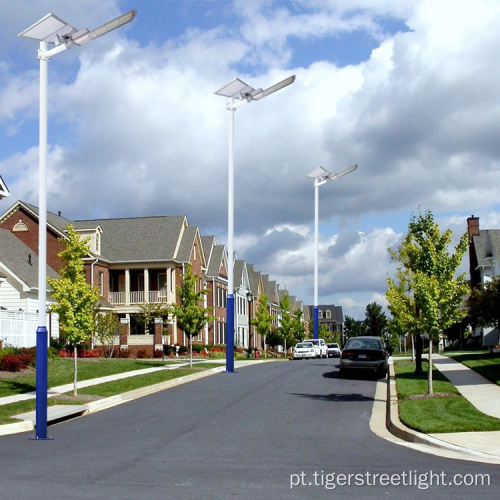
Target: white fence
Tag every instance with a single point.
(18, 328)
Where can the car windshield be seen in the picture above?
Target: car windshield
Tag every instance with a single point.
(363, 344)
(307, 344)
(332, 345)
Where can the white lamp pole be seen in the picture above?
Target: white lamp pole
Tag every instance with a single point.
(320, 176)
(239, 90)
(51, 29)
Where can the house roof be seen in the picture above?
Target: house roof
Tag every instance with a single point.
(139, 238)
(216, 261)
(486, 244)
(4, 191)
(337, 314)
(254, 278)
(20, 261)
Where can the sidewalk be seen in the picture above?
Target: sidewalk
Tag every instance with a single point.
(482, 393)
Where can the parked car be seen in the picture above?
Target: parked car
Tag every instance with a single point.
(364, 354)
(333, 350)
(304, 350)
(320, 347)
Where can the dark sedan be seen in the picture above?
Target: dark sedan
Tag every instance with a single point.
(364, 354)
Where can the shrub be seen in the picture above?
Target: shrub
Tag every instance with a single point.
(158, 353)
(90, 353)
(142, 353)
(124, 353)
(16, 362)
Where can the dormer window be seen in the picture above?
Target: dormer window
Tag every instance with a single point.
(98, 242)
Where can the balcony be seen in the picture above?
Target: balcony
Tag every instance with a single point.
(120, 298)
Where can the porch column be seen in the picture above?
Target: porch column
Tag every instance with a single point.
(146, 285)
(127, 287)
(124, 332)
(158, 334)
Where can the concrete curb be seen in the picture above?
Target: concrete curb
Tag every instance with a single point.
(401, 431)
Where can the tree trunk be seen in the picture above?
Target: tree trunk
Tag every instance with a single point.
(418, 355)
(75, 377)
(429, 369)
(190, 351)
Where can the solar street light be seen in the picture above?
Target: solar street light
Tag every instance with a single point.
(237, 89)
(52, 29)
(320, 176)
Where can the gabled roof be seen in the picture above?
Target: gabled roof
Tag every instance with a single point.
(337, 314)
(139, 239)
(255, 278)
(19, 260)
(4, 191)
(57, 223)
(208, 243)
(218, 260)
(270, 289)
(241, 274)
(486, 244)
(189, 237)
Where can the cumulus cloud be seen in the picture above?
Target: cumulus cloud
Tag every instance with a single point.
(135, 128)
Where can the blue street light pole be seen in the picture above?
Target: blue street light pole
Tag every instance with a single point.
(237, 89)
(51, 29)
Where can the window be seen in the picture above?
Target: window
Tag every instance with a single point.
(328, 314)
(20, 226)
(320, 314)
(100, 281)
(98, 242)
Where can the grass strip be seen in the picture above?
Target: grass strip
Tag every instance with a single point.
(451, 413)
(60, 372)
(486, 364)
(120, 386)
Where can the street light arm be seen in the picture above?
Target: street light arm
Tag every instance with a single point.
(332, 177)
(263, 93)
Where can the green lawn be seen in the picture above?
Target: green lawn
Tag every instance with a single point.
(60, 372)
(452, 413)
(488, 365)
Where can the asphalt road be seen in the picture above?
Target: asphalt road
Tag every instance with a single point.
(279, 430)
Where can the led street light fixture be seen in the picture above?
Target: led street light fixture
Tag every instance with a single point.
(237, 89)
(52, 29)
(321, 174)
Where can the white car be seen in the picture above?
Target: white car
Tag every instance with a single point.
(304, 350)
(333, 350)
(320, 347)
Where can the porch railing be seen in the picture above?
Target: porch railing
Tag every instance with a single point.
(119, 298)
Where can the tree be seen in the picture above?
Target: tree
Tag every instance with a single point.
(428, 296)
(353, 327)
(263, 318)
(483, 305)
(74, 298)
(298, 327)
(190, 313)
(285, 330)
(375, 321)
(106, 329)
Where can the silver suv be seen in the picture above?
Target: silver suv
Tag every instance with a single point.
(319, 347)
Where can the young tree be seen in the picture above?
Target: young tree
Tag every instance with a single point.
(190, 313)
(74, 298)
(428, 270)
(263, 318)
(106, 329)
(285, 330)
(298, 327)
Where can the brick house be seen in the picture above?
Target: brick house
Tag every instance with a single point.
(132, 261)
(216, 284)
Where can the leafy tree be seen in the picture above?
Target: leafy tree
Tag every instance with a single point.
(190, 313)
(376, 320)
(353, 327)
(285, 330)
(483, 305)
(429, 297)
(263, 319)
(298, 327)
(74, 297)
(106, 329)
(152, 310)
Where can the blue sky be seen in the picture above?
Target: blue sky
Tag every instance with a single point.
(405, 88)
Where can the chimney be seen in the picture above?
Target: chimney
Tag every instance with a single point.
(472, 227)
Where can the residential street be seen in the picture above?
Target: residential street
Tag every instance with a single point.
(277, 430)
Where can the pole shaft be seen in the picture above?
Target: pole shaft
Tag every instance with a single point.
(230, 251)
(316, 244)
(41, 333)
